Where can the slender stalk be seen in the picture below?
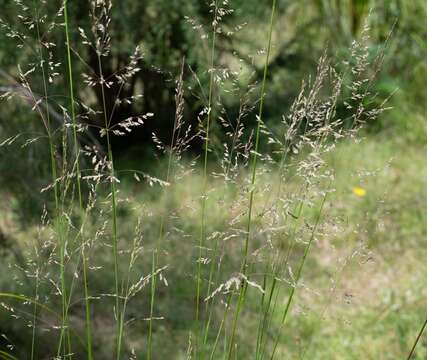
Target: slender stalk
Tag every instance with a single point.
(128, 286)
(239, 307)
(267, 325)
(78, 176)
(49, 131)
(298, 273)
(153, 292)
(58, 214)
(64, 328)
(205, 169)
(224, 318)
(277, 263)
(72, 101)
(114, 209)
(253, 178)
(209, 308)
(266, 310)
(52, 159)
(417, 340)
(79, 260)
(33, 335)
(162, 221)
(282, 264)
(257, 137)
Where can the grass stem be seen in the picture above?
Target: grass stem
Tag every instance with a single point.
(78, 177)
(205, 172)
(412, 352)
(253, 177)
(113, 209)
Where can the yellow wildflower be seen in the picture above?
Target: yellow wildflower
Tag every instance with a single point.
(358, 191)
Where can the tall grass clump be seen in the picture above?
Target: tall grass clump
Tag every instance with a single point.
(253, 177)
(208, 253)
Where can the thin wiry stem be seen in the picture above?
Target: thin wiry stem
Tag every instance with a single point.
(33, 335)
(49, 130)
(276, 267)
(72, 104)
(58, 213)
(152, 297)
(52, 159)
(253, 178)
(205, 168)
(128, 286)
(282, 264)
(114, 210)
(64, 327)
(298, 274)
(209, 303)
(264, 319)
(77, 267)
(417, 340)
(257, 138)
(224, 318)
(209, 307)
(162, 220)
(78, 176)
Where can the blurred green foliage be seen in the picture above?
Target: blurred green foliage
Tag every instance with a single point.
(168, 31)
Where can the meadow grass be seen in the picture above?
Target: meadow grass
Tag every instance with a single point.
(363, 290)
(307, 242)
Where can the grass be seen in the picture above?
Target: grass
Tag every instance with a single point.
(255, 155)
(379, 297)
(306, 242)
(373, 261)
(207, 130)
(79, 194)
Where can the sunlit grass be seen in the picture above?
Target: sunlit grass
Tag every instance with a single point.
(375, 259)
(302, 240)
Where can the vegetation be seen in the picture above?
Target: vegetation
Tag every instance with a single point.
(220, 179)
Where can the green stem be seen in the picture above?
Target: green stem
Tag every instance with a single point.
(64, 328)
(162, 221)
(52, 158)
(257, 138)
(58, 214)
(253, 178)
(224, 318)
(114, 209)
(205, 171)
(153, 292)
(209, 307)
(417, 340)
(298, 274)
(33, 335)
(78, 176)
